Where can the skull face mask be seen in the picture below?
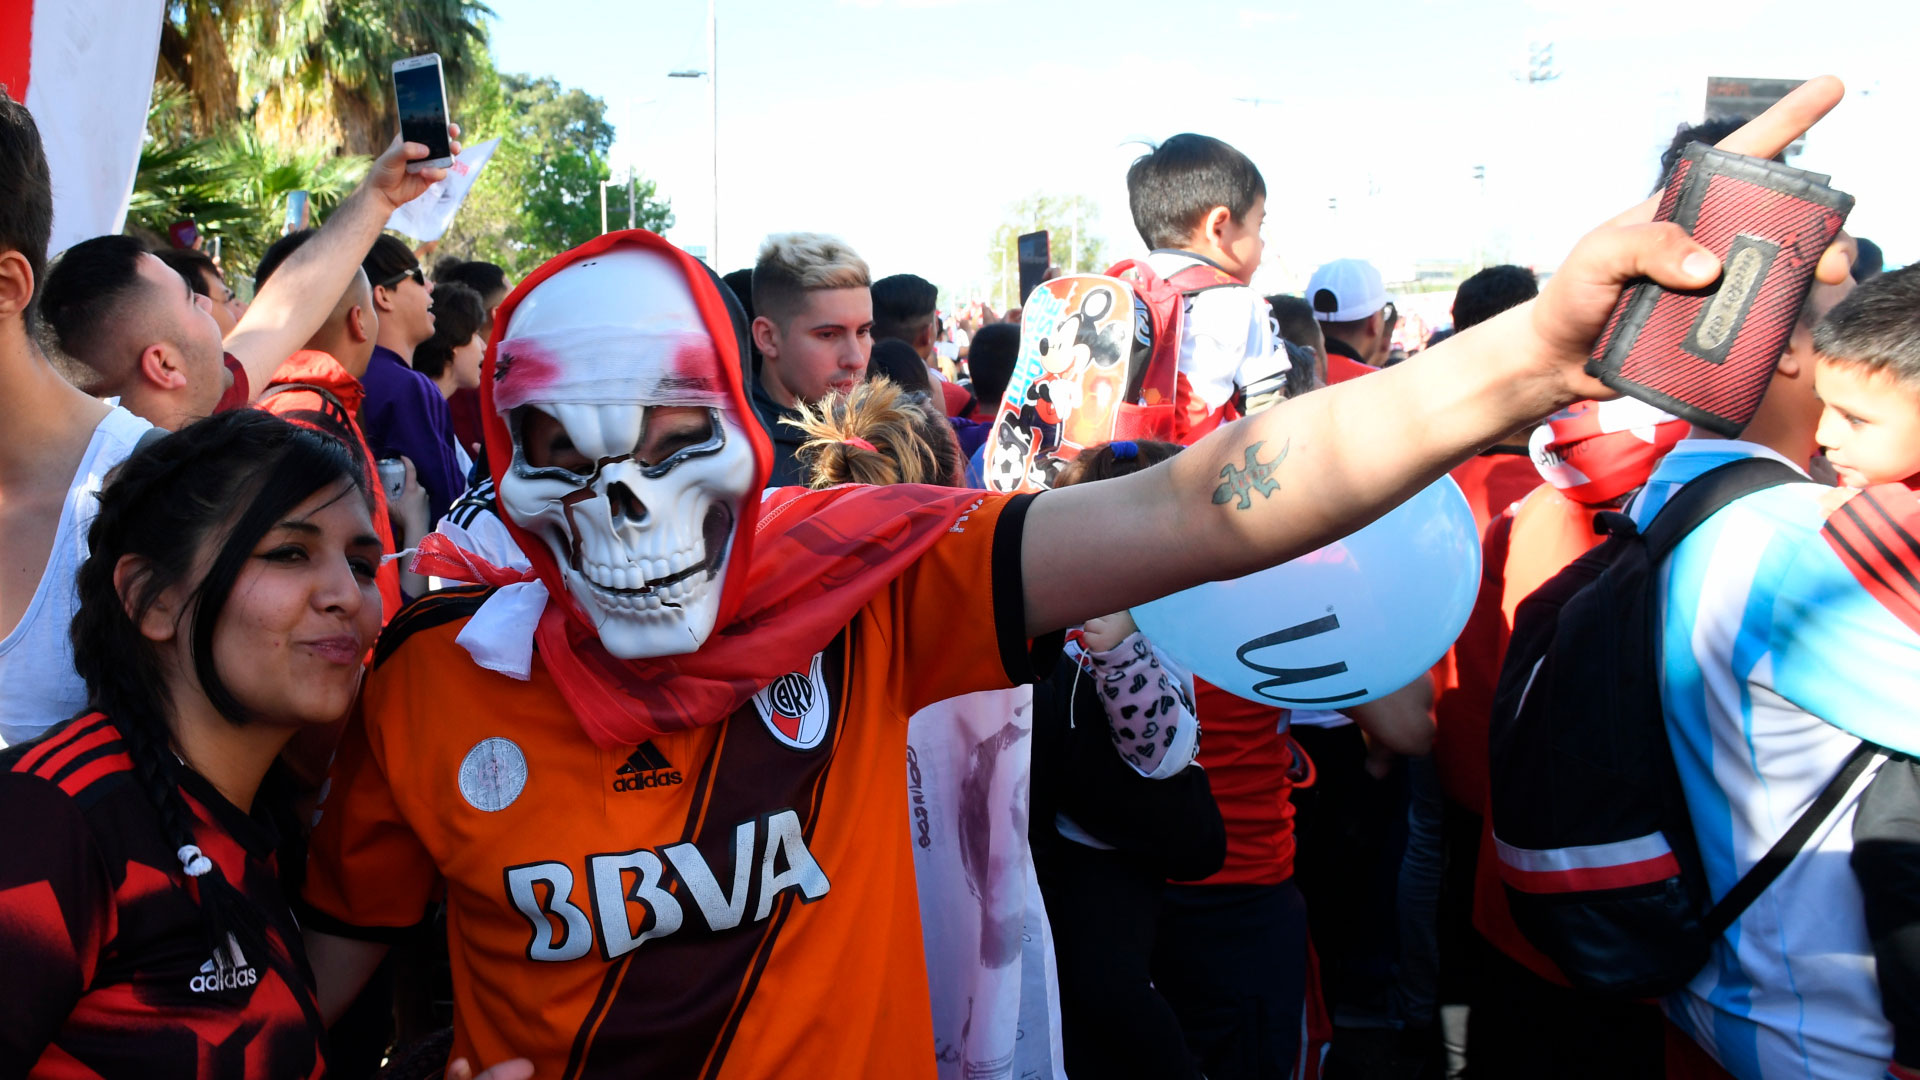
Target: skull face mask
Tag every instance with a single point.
(628, 462)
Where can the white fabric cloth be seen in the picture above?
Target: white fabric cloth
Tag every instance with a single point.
(87, 80)
(1228, 340)
(499, 636)
(996, 1003)
(38, 686)
(429, 216)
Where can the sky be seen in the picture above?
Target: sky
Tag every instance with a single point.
(910, 127)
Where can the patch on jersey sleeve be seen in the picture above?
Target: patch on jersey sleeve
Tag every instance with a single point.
(1877, 536)
(795, 707)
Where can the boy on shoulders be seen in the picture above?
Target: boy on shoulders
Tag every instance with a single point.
(1199, 205)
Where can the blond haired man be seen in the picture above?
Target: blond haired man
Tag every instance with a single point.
(814, 329)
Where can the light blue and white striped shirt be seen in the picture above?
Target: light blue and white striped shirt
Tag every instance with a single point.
(1775, 662)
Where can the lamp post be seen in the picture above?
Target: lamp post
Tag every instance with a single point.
(713, 118)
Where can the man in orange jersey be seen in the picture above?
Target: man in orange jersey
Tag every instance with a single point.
(657, 769)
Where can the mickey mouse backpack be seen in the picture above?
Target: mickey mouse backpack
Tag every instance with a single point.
(1099, 360)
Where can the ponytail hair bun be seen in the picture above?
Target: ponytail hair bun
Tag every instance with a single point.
(878, 434)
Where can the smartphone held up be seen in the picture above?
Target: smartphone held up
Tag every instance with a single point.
(420, 93)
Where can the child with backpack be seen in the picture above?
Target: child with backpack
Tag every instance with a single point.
(1686, 729)
(1868, 376)
(1199, 205)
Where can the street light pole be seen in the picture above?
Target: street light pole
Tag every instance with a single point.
(713, 121)
(713, 117)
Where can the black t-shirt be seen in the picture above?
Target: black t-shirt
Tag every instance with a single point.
(109, 971)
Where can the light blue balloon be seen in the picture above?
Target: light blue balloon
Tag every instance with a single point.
(1351, 622)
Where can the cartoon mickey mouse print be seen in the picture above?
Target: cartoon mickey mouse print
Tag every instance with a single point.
(1075, 345)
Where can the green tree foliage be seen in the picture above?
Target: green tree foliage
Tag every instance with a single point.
(312, 72)
(1065, 218)
(234, 186)
(256, 98)
(540, 194)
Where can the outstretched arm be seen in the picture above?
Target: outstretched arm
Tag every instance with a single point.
(302, 292)
(1296, 477)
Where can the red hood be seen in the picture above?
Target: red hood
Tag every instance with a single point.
(720, 326)
(802, 565)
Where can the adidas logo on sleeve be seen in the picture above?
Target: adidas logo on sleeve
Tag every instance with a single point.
(645, 768)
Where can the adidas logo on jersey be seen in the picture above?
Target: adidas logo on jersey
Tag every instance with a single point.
(645, 768)
(230, 972)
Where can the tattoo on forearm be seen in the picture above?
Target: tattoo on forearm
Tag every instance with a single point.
(1241, 482)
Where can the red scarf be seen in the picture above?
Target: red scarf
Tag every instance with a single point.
(803, 563)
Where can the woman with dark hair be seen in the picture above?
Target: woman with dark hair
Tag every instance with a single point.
(228, 603)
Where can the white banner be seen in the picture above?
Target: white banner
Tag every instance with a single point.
(429, 216)
(85, 71)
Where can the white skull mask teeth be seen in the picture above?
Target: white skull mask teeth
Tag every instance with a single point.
(641, 546)
(609, 377)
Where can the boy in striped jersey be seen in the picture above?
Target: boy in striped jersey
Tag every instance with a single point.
(1779, 655)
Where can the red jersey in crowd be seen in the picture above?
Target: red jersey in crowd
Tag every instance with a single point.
(1530, 543)
(1464, 679)
(109, 971)
(1247, 755)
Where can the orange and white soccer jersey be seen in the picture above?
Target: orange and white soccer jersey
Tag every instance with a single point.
(735, 901)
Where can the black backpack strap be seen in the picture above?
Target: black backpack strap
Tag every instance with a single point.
(1695, 502)
(1756, 880)
(1707, 494)
(332, 417)
(318, 391)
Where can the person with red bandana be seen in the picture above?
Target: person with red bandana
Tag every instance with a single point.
(656, 769)
(1592, 456)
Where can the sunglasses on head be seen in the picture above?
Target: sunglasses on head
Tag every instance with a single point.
(418, 277)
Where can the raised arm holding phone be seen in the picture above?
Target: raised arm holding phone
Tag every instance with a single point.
(300, 295)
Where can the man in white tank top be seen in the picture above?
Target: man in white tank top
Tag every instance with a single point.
(59, 444)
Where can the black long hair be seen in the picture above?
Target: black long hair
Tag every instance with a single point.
(222, 482)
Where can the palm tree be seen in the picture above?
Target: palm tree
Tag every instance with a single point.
(193, 55)
(319, 69)
(232, 186)
(310, 72)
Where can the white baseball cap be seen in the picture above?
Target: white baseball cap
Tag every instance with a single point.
(1346, 290)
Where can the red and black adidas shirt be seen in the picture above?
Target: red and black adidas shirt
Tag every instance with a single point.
(108, 968)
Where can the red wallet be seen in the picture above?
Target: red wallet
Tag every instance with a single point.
(1706, 355)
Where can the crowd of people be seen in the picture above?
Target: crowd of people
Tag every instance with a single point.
(626, 671)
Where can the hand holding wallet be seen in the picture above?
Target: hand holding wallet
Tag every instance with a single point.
(1707, 355)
